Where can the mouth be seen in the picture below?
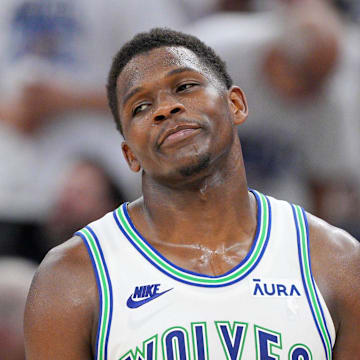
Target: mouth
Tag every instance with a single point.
(177, 133)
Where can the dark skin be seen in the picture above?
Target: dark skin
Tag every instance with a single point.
(180, 130)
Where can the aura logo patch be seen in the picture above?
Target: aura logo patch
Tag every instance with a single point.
(274, 288)
(144, 294)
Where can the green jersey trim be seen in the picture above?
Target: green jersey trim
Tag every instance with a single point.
(104, 290)
(308, 280)
(255, 254)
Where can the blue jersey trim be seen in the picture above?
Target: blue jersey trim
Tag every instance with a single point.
(256, 239)
(312, 279)
(84, 239)
(253, 246)
(110, 289)
(303, 278)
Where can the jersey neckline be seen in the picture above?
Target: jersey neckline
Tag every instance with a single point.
(237, 273)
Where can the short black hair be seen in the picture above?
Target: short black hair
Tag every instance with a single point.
(155, 38)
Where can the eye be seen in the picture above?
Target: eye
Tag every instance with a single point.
(139, 108)
(186, 86)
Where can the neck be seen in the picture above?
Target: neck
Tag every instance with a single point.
(215, 211)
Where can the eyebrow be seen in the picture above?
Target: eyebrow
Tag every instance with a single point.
(131, 94)
(180, 70)
(134, 91)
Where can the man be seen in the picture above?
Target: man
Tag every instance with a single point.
(199, 266)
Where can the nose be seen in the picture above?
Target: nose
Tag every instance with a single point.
(167, 106)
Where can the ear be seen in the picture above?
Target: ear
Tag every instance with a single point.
(238, 105)
(130, 157)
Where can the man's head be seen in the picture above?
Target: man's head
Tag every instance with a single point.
(174, 104)
(160, 37)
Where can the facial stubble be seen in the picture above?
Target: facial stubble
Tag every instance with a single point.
(202, 163)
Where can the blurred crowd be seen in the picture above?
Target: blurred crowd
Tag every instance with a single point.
(61, 162)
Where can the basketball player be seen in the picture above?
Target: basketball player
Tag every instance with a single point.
(199, 267)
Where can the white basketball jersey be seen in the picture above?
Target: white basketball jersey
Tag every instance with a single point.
(267, 307)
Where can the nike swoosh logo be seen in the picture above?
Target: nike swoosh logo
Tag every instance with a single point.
(133, 304)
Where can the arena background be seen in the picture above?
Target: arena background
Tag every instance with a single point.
(61, 163)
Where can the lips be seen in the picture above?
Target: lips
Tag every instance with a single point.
(176, 132)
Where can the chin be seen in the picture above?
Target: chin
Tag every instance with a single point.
(197, 167)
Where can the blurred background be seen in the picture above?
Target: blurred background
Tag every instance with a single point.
(61, 163)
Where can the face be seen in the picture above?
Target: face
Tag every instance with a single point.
(177, 117)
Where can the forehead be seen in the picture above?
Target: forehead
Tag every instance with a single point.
(155, 63)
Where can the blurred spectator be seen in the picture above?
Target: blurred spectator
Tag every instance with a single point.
(337, 195)
(15, 279)
(54, 59)
(338, 202)
(291, 63)
(195, 10)
(86, 193)
(198, 9)
(350, 8)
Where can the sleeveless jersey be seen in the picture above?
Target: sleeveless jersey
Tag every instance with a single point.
(267, 307)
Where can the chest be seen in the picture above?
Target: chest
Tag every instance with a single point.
(266, 307)
(158, 316)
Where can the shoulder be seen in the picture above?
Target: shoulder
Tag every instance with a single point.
(341, 246)
(66, 263)
(63, 292)
(335, 261)
(66, 272)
